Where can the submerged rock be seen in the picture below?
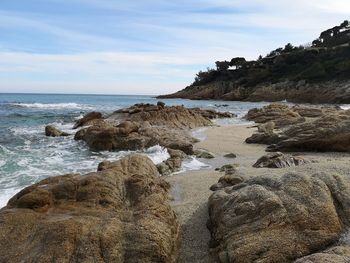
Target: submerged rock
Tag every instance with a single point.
(278, 160)
(52, 131)
(119, 214)
(273, 219)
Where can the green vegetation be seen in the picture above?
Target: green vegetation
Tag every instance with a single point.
(327, 58)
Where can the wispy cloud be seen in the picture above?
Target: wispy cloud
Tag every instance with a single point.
(154, 46)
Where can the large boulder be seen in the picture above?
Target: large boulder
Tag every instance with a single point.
(279, 160)
(119, 214)
(52, 131)
(328, 133)
(272, 219)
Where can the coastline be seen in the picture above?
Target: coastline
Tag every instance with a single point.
(190, 190)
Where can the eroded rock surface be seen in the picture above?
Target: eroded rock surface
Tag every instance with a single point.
(145, 125)
(119, 214)
(323, 128)
(272, 219)
(279, 160)
(89, 119)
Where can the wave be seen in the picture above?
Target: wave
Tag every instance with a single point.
(345, 107)
(52, 106)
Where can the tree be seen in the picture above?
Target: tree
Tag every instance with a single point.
(288, 48)
(238, 62)
(222, 65)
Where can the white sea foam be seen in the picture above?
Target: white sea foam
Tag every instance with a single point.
(58, 106)
(199, 133)
(192, 164)
(157, 154)
(345, 107)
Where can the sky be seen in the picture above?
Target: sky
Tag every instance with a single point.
(144, 46)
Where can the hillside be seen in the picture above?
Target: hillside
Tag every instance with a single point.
(318, 72)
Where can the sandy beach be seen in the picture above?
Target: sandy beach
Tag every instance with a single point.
(190, 190)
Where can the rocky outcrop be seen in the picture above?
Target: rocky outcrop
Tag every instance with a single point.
(324, 129)
(119, 214)
(145, 125)
(170, 116)
(278, 160)
(328, 133)
(135, 136)
(280, 114)
(292, 91)
(52, 131)
(270, 219)
(89, 119)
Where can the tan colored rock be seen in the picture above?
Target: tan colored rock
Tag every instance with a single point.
(88, 119)
(279, 160)
(328, 133)
(273, 219)
(280, 114)
(52, 131)
(169, 116)
(337, 254)
(120, 214)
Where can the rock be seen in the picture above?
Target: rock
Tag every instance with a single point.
(87, 119)
(228, 168)
(328, 133)
(119, 214)
(173, 164)
(280, 114)
(272, 219)
(264, 138)
(201, 153)
(279, 160)
(230, 155)
(161, 104)
(325, 129)
(170, 166)
(266, 127)
(54, 132)
(337, 254)
(213, 114)
(169, 116)
(227, 180)
(176, 153)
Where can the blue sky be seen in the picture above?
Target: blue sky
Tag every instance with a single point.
(144, 47)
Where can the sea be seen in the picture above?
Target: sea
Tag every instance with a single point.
(28, 156)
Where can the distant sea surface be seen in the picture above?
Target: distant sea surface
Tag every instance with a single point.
(27, 155)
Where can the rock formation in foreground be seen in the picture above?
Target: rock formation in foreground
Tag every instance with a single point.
(119, 214)
(304, 128)
(273, 219)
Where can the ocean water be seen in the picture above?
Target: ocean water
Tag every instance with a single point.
(27, 155)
